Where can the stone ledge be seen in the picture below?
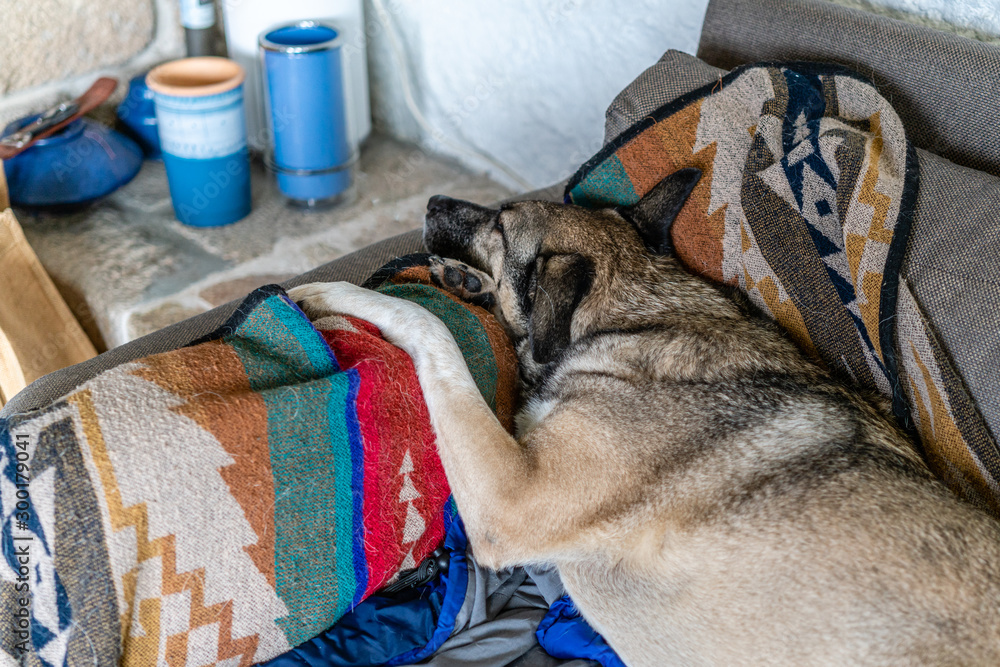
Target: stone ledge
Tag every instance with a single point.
(128, 268)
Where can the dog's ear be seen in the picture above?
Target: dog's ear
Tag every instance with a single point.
(561, 283)
(654, 214)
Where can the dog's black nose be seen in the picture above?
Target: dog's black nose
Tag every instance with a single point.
(438, 202)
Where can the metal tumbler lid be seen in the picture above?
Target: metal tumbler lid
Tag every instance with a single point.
(288, 37)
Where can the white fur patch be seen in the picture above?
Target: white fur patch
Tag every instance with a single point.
(532, 415)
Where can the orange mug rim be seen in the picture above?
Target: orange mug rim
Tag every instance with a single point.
(195, 77)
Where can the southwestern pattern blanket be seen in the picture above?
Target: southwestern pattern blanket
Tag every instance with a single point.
(808, 190)
(222, 503)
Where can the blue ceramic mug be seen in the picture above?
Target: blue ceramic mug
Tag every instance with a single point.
(137, 112)
(199, 115)
(303, 74)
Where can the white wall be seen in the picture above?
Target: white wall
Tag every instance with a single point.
(527, 81)
(524, 81)
(976, 19)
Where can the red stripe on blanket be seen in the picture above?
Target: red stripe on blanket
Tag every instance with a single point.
(404, 483)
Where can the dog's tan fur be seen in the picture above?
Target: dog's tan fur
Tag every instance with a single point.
(709, 495)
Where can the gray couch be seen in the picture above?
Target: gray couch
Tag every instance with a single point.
(945, 88)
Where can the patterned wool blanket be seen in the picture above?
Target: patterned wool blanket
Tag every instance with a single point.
(222, 503)
(809, 186)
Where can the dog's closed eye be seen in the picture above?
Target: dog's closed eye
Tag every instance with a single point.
(532, 278)
(529, 283)
(558, 284)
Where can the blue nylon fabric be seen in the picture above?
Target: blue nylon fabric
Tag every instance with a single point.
(407, 629)
(455, 584)
(564, 634)
(391, 631)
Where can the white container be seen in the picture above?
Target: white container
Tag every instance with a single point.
(246, 19)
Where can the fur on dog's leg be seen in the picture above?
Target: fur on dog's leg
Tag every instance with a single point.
(486, 467)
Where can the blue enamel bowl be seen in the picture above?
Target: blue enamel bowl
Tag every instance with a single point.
(82, 162)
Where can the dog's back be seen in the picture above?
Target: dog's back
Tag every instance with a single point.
(709, 494)
(763, 512)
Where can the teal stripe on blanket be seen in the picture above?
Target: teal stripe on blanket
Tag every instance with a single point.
(284, 344)
(290, 365)
(607, 185)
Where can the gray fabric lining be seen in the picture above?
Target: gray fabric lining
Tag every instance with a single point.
(496, 625)
(673, 75)
(952, 265)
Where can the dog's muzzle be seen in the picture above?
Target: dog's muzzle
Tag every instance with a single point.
(451, 227)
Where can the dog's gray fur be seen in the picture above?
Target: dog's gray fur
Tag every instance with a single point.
(709, 494)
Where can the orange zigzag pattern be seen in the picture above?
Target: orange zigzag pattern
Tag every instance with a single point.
(144, 650)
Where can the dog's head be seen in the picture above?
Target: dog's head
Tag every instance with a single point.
(550, 260)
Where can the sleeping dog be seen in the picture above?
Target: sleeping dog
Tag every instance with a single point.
(709, 495)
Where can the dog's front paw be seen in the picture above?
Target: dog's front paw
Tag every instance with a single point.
(319, 300)
(396, 318)
(463, 281)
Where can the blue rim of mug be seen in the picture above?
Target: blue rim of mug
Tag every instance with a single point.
(268, 43)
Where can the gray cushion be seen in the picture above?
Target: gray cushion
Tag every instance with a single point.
(951, 265)
(945, 88)
(675, 74)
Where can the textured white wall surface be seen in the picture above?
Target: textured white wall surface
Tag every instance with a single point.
(49, 40)
(527, 81)
(977, 19)
(53, 50)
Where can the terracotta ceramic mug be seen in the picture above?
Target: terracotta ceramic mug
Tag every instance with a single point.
(199, 114)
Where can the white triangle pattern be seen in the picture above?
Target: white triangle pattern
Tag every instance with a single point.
(414, 526)
(408, 492)
(407, 466)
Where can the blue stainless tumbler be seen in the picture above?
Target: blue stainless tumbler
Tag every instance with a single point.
(303, 77)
